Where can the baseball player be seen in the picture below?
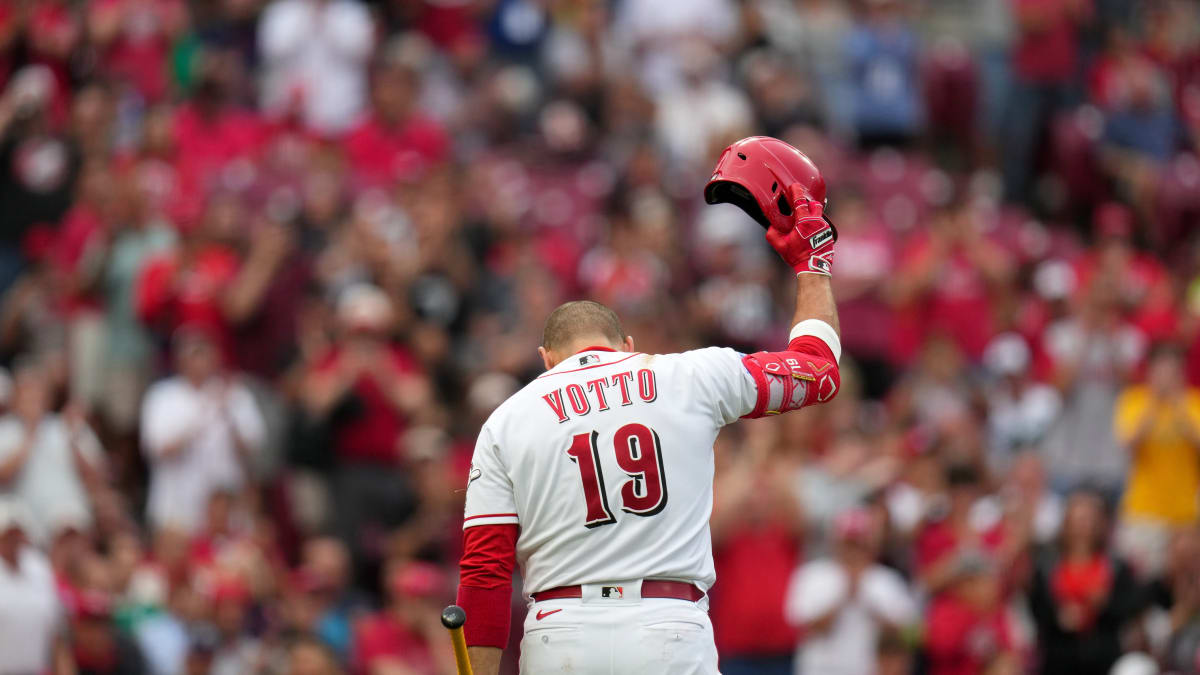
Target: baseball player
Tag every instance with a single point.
(598, 475)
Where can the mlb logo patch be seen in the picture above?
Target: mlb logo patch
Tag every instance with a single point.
(588, 358)
(616, 592)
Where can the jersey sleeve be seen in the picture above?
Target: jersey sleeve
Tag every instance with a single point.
(490, 499)
(722, 384)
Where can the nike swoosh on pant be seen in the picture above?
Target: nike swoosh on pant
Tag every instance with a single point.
(543, 614)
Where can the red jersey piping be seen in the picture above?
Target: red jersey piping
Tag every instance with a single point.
(576, 370)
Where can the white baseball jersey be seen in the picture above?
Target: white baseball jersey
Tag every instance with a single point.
(606, 463)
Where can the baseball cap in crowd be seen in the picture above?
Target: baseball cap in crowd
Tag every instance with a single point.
(364, 307)
(1135, 663)
(1007, 355)
(230, 589)
(1054, 280)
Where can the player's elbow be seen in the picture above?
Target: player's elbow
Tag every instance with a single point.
(792, 380)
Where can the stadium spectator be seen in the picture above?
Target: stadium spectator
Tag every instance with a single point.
(1021, 410)
(757, 525)
(134, 37)
(49, 462)
(406, 635)
(363, 391)
(882, 69)
(1093, 350)
(844, 604)
(1082, 597)
(200, 432)
(33, 634)
(395, 140)
(968, 630)
(1159, 425)
(315, 57)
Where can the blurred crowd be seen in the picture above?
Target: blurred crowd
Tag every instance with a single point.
(267, 265)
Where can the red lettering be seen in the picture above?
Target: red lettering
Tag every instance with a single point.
(555, 401)
(578, 399)
(647, 386)
(622, 380)
(594, 386)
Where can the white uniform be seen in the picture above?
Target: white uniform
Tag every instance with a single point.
(606, 463)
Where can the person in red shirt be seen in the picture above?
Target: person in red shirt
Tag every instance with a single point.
(1045, 59)
(396, 140)
(968, 630)
(1081, 597)
(362, 394)
(134, 38)
(54, 33)
(944, 543)
(189, 285)
(407, 635)
(213, 138)
(952, 272)
(756, 526)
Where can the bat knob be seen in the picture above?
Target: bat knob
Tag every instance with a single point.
(453, 617)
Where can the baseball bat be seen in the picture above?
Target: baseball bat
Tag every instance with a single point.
(453, 618)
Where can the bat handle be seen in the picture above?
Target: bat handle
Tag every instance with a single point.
(453, 618)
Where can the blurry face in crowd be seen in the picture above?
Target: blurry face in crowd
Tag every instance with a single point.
(90, 111)
(197, 358)
(1165, 373)
(1083, 522)
(1028, 475)
(328, 560)
(157, 137)
(979, 590)
(311, 658)
(225, 219)
(229, 615)
(395, 92)
(322, 198)
(31, 395)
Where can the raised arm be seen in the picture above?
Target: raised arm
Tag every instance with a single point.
(783, 191)
(807, 372)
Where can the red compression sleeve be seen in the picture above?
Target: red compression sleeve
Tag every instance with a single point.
(485, 583)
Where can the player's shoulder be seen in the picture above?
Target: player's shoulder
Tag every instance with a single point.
(703, 359)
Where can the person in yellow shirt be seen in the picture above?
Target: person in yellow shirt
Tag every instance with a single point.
(1159, 425)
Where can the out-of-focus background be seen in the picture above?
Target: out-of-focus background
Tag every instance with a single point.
(266, 266)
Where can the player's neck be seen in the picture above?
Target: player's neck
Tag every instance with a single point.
(581, 345)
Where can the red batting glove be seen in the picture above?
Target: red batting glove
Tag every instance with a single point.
(808, 244)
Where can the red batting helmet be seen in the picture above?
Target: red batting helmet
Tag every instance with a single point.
(753, 174)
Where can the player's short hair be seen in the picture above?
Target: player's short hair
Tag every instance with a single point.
(581, 318)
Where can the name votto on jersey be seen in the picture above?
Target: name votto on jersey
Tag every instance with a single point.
(601, 393)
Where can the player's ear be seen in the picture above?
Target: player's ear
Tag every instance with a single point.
(547, 359)
(627, 346)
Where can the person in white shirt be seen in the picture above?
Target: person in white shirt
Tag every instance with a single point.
(200, 429)
(845, 603)
(47, 460)
(315, 55)
(31, 617)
